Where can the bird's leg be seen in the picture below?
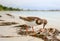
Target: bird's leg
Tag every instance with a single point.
(33, 29)
(26, 30)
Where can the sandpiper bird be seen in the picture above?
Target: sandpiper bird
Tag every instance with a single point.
(34, 21)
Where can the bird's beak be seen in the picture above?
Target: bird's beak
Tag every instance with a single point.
(44, 25)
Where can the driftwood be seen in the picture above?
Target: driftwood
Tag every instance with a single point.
(10, 15)
(37, 35)
(45, 37)
(25, 33)
(23, 26)
(2, 20)
(8, 36)
(42, 36)
(7, 23)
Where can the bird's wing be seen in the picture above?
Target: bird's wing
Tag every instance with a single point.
(29, 18)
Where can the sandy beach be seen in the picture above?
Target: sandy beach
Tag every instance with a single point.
(7, 23)
(9, 30)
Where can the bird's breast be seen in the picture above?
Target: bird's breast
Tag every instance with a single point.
(33, 23)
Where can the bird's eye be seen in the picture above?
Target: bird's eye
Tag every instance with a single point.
(38, 22)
